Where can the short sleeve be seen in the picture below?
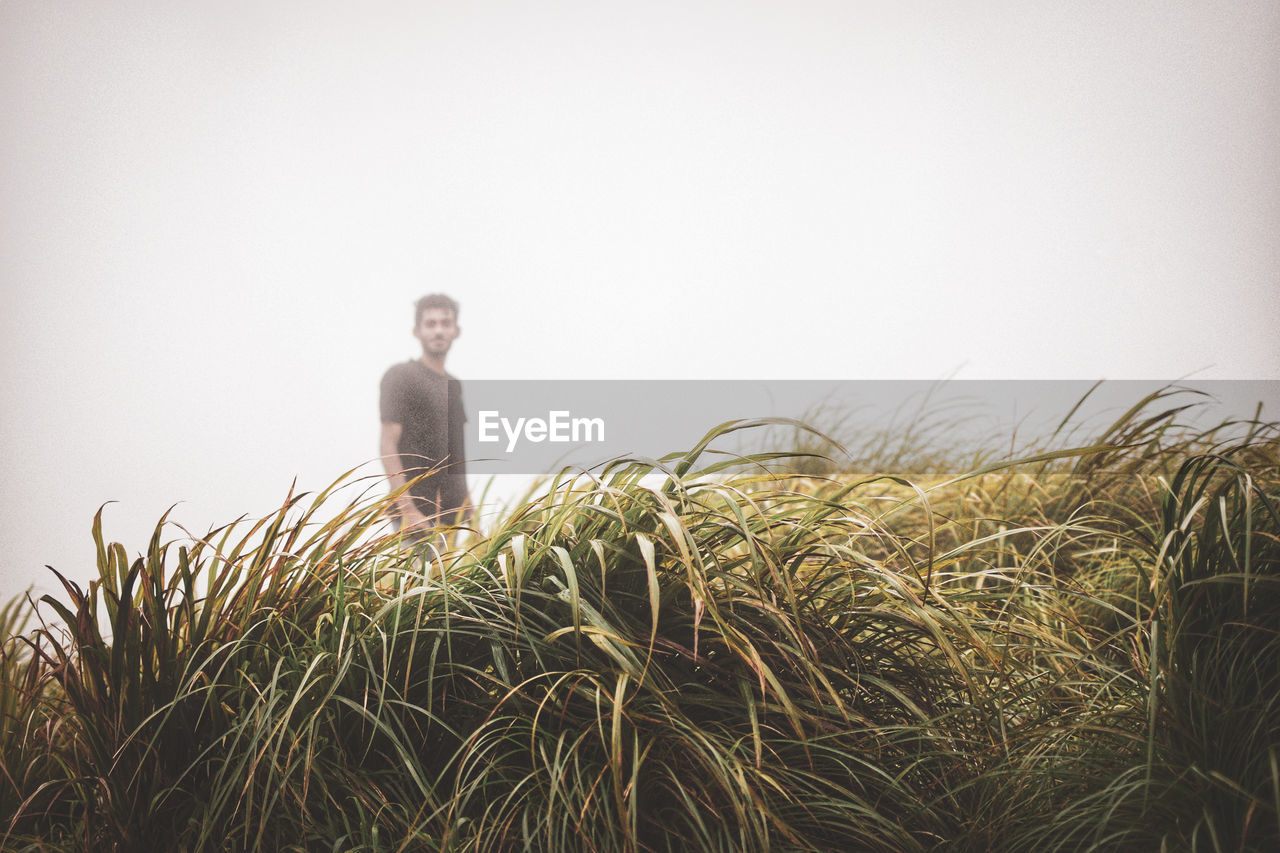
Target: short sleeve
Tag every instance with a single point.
(455, 391)
(391, 398)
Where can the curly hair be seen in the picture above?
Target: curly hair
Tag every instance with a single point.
(434, 300)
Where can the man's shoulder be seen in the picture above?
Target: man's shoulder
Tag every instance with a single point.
(401, 371)
(400, 367)
(413, 371)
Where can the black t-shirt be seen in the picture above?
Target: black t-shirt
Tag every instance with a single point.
(428, 407)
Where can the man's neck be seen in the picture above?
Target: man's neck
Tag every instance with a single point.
(433, 364)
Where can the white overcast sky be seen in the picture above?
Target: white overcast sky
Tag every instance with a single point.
(214, 217)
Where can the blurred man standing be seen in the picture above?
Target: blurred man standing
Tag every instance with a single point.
(422, 424)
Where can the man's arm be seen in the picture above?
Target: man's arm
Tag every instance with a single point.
(468, 510)
(389, 447)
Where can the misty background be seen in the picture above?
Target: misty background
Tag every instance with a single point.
(215, 217)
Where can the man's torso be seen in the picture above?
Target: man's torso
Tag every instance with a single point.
(428, 406)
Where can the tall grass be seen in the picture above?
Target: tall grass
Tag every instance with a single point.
(1075, 651)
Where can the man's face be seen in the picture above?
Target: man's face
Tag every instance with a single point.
(436, 331)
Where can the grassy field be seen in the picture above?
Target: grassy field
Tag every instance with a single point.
(1076, 650)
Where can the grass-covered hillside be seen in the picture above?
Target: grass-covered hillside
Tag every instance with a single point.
(1080, 650)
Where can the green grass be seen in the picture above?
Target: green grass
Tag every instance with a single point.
(1075, 651)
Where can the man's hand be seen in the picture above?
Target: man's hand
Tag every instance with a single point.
(411, 518)
(406, 507)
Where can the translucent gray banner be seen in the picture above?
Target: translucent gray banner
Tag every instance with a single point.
(541, 427)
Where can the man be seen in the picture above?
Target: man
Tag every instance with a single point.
(422, 424)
